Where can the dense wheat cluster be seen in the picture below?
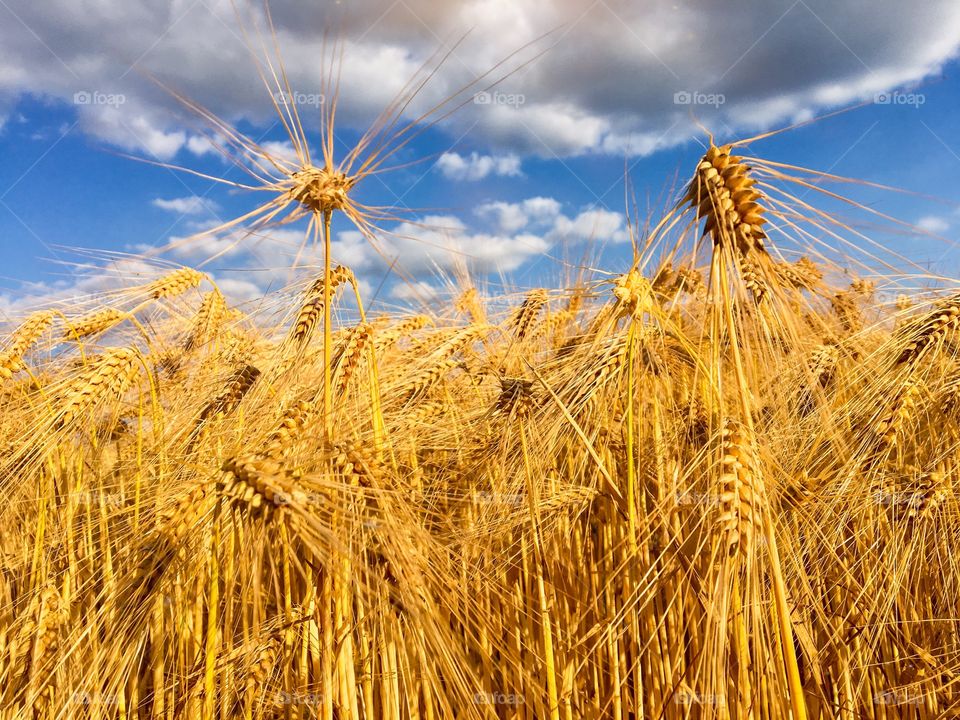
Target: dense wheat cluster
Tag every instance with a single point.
(722, 484)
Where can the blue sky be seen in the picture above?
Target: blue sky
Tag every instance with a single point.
(518, 185)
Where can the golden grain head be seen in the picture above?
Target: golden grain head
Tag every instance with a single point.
(175, 283)
(321, 190)
(723, 193)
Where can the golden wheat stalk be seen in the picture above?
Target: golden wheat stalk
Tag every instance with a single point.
(22, 339)
(175, 283)
(93, 323)
(724, 194)
(526, 315)
(206, 323)
(109, 376)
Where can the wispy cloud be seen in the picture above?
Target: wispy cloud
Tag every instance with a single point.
(476, 166)
(933, 224)
(191, 205)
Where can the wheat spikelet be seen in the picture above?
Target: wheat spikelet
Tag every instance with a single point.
(93, 323)
(308, 316)
(556, 325)
(611, 358)
(920, 336)
(34, 647)
(288, 429)
(231, 395)
(319, 189)
(664, 279)
(559, 320)
(864, 288)
(887, 430)
(801, 275)
(386, 338)
(845, 307)
(419, 383)
(821, 366)
(425, 410)
(109, 376)
(823, 363)
(261, 485)
(311, 311)
(575, 300)
(950, 397)
(10, 365)
(358, 464)
(338, 276)
(22, 339)
(928, 496)
(690, 280)
(696, 426)
(516, 397)
(460, 339)
(526, 315)
(738, 499)
(210, 315)
(724, 194)
(29, 332)
(53, 615)
(262, 661)
(753, 279)
(634, 294)
(470, 304)
(350, 356)
(173, 524)
(177, 519)
(32, 632)
(175, 283)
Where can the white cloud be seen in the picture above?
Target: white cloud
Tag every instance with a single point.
(125, 127)
(200, 145)
(419, 291)
(610, 86)
(476, 166)
(511, 217)
(192, 205)
(597, 225)
(444, 243)
(438, 243)
(933, 224)
(282, 150)
(239, 290)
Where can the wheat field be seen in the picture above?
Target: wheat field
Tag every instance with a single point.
(720, 482)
